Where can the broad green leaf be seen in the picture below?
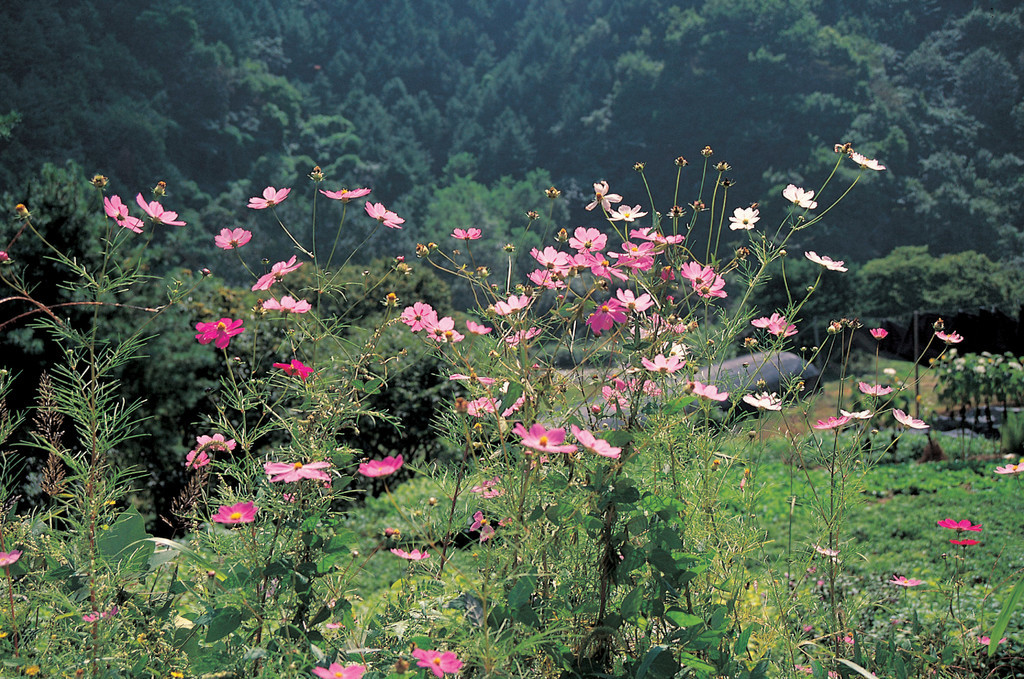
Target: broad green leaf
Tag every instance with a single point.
(1004, 618)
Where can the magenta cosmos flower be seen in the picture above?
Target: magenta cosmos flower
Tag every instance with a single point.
(592, 444)
(118, 211)
(229, 239)
(540, 439)
(198, 458)
(375, 468)
(8, 558)
(241, 512)
(606, 315)
(438, 663)
(277, 272)
(290, 472)
(157, 213)
(384, 215)
(271, 197)
(414, 555)
(879, 333)
(345, 196)
(219, 332)
(959, 526)
(827, 262)
(287, 304)
(295, 368)
(903, 581)
(467, 234)
(336, 671)
(703, 279)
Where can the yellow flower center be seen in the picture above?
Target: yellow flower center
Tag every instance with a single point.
(436, 660)
(543, 440)
(235, 516)
(297, 465)
(221, 325)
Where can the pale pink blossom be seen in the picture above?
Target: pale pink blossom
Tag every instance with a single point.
(587, 240)
(743, 218)
(903, 581)
(414, 555)
(444, 332)
(856, 415)
(662, 364)
(488, 488)
(907, 420)
(799, 197)
(826, 262)
(375, 468)
(1011, 469)
(118, 211)
(592, 444)
(472, 377)
(271, 197)
(467, 234)
(475, 328)
(775, 324)
(277, 273)
(483, 525)
(520, 336)
(384, 215)
(709, 391)
(8, 558)
(553, 260)
(825, 551)
(874, 389)
(832, 422)
(626, 214)
(632, 303)
(951, 338)
(764, 401)
(865, 162)
(290, 472)
(703, 279)
(603, 198)
(514, 304)
(484, 405)
(287, 304)
(229, 239)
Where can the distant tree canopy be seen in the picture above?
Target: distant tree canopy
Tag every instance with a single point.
(221, 99)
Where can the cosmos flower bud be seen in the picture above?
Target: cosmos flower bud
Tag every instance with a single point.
(160, 189)
(707, 152)
(552, 193)
(639, 167)
(22, 211)
(317, 174)
(99, 181)
(723, 166)
(682, 162)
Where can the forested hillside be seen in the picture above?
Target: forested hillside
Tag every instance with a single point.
(221, 99)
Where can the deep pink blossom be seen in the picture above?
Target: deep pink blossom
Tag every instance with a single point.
(606, 315)
(587, 240)
(375, 468)
(118, 211)
(229, 239)
(336, 671)
(419, 316)
(467, 234)
(592, 444)
(345, 196)
(879, 333)
(543, 440)
(295, 368)
(277, 272)
(216, 442)
(414, 555)
(290, 472)
(965, 543)
(483, 525)
(384, 215)
(703, 279)
(157, 213)
(271, 197)
(196, 460)
(219, 332)
(241, 512)
(959, 526)
(438, 663)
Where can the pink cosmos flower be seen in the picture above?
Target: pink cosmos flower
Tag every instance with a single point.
(603, 198)
(157, 213)
(709, 391)
(487, 488)
(649, 234)
(832, 422)
(703, 279)
(287, 304)
(483, 525)
(662, 364)
(856, 415)
(414, 555)
(467, 234)
(865, 162)
(743, 218)
(345, 196)
(336, 671)
(444, 331)
(215, 442)
(419, 316)
(219, 332)
(241, 512)
(484, 405)
(903, 581)
(1011, 469)
(100, 615)
(632, 303)
(520, 336)
(985, 640)
(546, 278)
(229, 239)
(874, 389)
(295, 368)
(588, 240)
(553, 260)
(605, 316)
(764, 401)
(775, 324)
(290, 472)
(826, 262)
(513, 305)
(438, 663)
(626, 214)
(825, 551)
(540, 439)
(384, 215)
(965, 543)
(375, 468)
(8, 558)
(472, 377)
(118, 211)
(477, 329)
(4, 257)
(799, 197)
(592, 444)
(636, 256)
(907, 420)
(271, 197)
(879, 333)
(195, 461)
(599, 266)
(277, 272)
(959, 526)
(951, 338)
